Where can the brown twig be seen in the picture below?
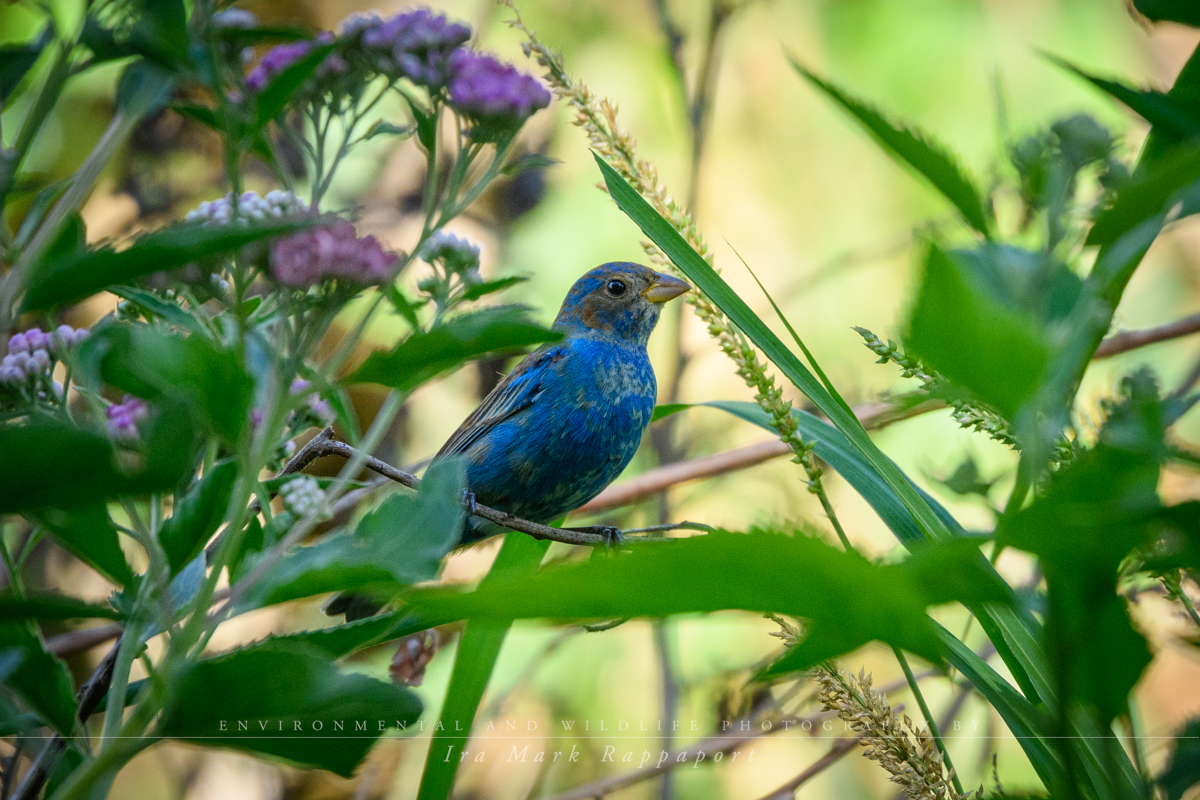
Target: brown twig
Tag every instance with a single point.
(1131, 340)
(839, 749)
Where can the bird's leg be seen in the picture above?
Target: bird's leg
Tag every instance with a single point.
(468, 500)
(612, 535)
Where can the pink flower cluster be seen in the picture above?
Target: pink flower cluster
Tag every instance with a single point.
(492, 91)
(31, 353)
(124, 416)
(282, 56)
(307, 258)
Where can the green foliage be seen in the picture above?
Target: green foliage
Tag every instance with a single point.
(425, 355)
(205, 379)
(40, 679)
(63, 277)
(661, 579)
(1169, 11)
(1183, 772)
(197, 515)
(52, 606)
(63, 466)
(294, 699)
(976, 341)
(914, 148)
(400, 543)
(17, 60)
(478, 650)
(87, 533)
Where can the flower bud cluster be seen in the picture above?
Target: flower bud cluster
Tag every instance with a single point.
(315, 409)
(416, 44)
(276, 204)
(28, 366)
(456, 255)
(123, 418)
(301, 495)
(497, 96)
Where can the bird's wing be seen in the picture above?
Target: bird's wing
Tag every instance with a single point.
(517, 392)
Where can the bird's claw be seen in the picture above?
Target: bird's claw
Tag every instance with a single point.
(468, 499)
(612, 536)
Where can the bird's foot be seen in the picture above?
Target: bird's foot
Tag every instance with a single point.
(468, 500)
(612, 535)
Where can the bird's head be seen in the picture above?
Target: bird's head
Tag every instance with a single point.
(619, 299)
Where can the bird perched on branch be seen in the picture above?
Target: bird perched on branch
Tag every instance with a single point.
(567, 420)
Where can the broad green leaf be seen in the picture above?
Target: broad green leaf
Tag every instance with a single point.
(1030, 281)
(425, 355)
(166, 367)
(1148, 195)
(1166, 113)
(76, 276)
(197, 515)
(691, 576)
(62, 466)
(288, 702)
(400, 543)
(478, 649)
(914, 148)
(979, 343)
(703, 275)
(1096, 511)
(42, 681)
(52, 606)
(17, 60)
(88, 534)
(1185, 11)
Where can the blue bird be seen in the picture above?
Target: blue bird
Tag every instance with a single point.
(565, 423)
(567, 420)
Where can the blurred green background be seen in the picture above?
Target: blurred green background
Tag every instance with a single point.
(833, 229)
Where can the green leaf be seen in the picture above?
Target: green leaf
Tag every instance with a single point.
(400, 543)
(979, 343)
(478, 649)
(288, 702)
(1101, 507)
(382, 128)
(1186, 92)
(275, 98)
(144, 88)
(915, 148)
(468, 336)
(1164, 112)
(209, 383)
(1147, 195)
(76, 276)
(1184, 11)
(1183, 772)
(17, 60)
(152, 304)
(42, 681)
(689, 576)
(528, 161)
(488, 287)
(62, 466)
(52, 606)
(703, 275)
(87, 534)
(197, 515)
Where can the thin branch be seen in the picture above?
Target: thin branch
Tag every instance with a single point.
(839, 749)
(1131, 340)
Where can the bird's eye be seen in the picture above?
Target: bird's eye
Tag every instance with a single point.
(616, 288)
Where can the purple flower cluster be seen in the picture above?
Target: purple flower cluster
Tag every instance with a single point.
(31, 354)
(282, 56)
(415, 44)
(496, 95)
(307, 258)
(124, 416)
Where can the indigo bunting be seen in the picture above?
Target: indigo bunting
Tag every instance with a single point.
(567, 420)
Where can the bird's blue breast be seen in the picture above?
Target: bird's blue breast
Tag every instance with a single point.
(594, 400)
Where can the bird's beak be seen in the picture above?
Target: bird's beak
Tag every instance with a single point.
(664, 288)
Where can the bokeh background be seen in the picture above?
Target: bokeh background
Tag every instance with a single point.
(831, 226)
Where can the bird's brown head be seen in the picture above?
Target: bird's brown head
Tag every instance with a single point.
(619, 299)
